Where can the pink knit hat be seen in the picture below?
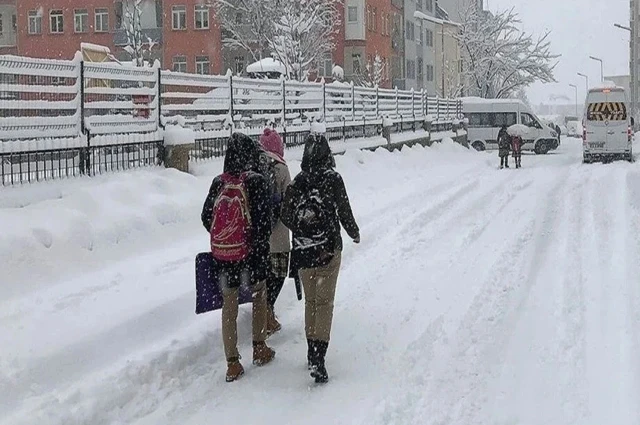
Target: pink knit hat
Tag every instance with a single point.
(272, 142)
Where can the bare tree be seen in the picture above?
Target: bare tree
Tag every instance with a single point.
(373, 73)
(297, 33)
(137, 46)
(498, 57)
(247, 24)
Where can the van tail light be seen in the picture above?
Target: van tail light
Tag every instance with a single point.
(584, 136)
(630, 134)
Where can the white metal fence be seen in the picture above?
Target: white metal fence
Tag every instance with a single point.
(52, 99)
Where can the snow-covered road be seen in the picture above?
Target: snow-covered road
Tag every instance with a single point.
(477, 296)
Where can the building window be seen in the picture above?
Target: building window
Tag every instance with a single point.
(102, 20)
(179, 64)
(1, 25)
(419, 4)
(239, 62)
(420, 71)
(202, 17)
(374, 17)
(429, 38)
(179, 17)
(411, 30)
(357, 69)
(81, 20)
(421, 41)
(411, 69)
(429, 4)
(239, 18)
(35, 22)
(368, 18)
(325, 68)
(14, 23)
(202, 65)
(429, 72)
(56, 21)
(353, 14)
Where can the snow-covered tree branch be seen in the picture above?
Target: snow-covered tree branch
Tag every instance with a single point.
(373, 73)
(136, 46)
(499, 58)
(295, 32)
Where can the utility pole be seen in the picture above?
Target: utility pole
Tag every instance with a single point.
(632, 70)
(586, 77)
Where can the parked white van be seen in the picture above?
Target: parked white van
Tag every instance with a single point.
(487, 116)
(607, 131)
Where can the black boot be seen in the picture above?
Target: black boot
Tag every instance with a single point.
(318, 369)
(311, 344)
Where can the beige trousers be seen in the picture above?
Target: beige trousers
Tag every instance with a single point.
(319, 293)
(230, 318)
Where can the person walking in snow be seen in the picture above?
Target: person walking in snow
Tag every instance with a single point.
(504, 142)
(277, 172)
(316, 204)
(236, 213)
(516, 148)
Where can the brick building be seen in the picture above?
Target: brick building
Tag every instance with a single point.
(183, 32)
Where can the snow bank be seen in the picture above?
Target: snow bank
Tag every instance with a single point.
(177, 135)
(51, 228)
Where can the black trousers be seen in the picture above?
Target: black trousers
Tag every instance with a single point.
(274, 286)
(504, 161)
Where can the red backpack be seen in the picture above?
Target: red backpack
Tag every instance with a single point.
(231, 225)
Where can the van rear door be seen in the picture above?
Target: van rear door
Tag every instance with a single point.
(607, 122)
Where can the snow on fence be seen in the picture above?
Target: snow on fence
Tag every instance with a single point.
(61, 118)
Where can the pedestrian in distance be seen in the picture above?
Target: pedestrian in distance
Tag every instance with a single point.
(316, 204)
(516, 148)
(504, 142)
(237, 215)
(274, 167)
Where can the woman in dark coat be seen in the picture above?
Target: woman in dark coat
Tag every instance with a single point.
(315, 206)
(504, 142)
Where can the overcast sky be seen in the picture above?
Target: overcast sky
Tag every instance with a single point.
(579, 29)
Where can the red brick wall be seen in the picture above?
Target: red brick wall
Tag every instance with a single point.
(61, 46)
(191, 42)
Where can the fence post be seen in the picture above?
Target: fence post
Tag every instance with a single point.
(230, 76)
(159, 98)
(284, 102)
(324, 101)
(438, 107)
(397, 103)
(413, 108)
(85, 163)
(377, 102)
(353, 102)
(422, 103)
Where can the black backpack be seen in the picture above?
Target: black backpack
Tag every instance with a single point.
(313, 228)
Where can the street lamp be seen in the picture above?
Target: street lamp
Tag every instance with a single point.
(575, 87)
(601, 66)
(622, 27)
(586, 77)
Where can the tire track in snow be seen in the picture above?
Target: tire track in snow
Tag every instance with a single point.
(466, 356)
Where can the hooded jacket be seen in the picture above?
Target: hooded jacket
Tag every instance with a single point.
(317, 172)
(242, 156)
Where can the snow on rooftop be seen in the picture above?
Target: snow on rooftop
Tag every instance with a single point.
(606, 85)
(266, 65)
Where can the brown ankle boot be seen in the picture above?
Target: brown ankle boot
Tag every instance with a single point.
(262, 354)
(234, 370)
(273, 325)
